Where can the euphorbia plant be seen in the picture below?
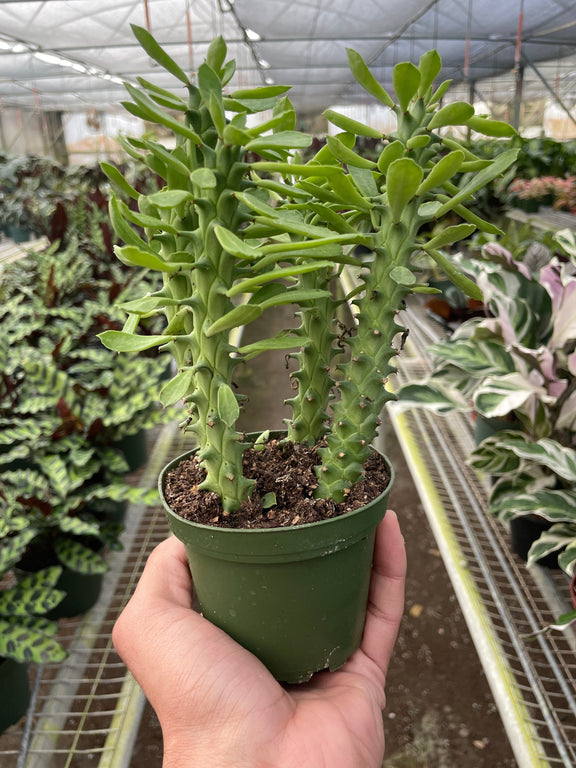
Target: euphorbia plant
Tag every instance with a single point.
(274, 231)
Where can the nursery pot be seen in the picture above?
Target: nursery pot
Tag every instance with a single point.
(82, 589)
(524, 531)
(14, 692)
(295, 597)
(134, 449)
(484, 427)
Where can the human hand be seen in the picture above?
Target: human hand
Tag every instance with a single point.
(219, 706)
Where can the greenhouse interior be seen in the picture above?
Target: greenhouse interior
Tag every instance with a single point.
(336, 242)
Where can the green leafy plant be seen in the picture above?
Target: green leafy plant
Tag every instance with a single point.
(235, 237)
(25, 634)
(534, 478)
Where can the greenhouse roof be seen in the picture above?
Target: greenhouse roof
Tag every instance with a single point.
(73, 55)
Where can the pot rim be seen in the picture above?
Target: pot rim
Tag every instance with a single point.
(277, 529)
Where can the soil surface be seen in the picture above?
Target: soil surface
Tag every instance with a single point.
(283, 493)
(440, 712)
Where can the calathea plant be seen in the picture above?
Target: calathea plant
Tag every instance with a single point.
(25, 634)
(234, 239)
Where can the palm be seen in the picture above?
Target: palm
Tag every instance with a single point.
(206, 689)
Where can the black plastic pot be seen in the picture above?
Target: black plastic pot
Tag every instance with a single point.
(82, 590)
(484, 427)
(524, 531)
(295, 597)
(14, 692)
(134, 449)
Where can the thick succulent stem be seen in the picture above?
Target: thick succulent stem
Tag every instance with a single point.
(356, 414)
(313, 377)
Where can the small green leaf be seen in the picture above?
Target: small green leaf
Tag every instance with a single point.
(79, 558)
(496, 128)
(157, 53)
(228, 408)
(123, 229)
(455, 276)
(418, 142)
(429, 65)
(457, 113)
(349, 125)
(269, 500)
(242, 315)
(406, 77)
(119, 341)
(347, 156)
(402, 276)
(402, 181)
(391, 152)
(247, 285)
(277, 342)
(233, 244)
(444, 169)
(203, 178)
(234, 135)
(500, 164)
(280, 140)
(265, 92)
(149, 111)
(177, 388)
(440, 91)
(170, 198)
(216, 54)
(364, 181)
(134, 257)
(451, 235)
(116, 178)
(366, 79)
(293, 169)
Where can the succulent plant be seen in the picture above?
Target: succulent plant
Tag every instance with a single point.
(234, 236)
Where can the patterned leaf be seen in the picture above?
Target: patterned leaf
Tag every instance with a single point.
(79, 558)
(12, 548)
(78, 527)
(35, 594)
(555, 538)
(28, 644)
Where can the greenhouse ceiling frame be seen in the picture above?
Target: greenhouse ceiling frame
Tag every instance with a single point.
(58, 55)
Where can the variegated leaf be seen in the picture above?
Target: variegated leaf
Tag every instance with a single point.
(27, 644)
(79, 558)
(432, 396)
(78, 527)
(12, 548)
(567, 559)
(476, 357)
(500, 396)
(556, 506)
(555, 538)
(547, 452)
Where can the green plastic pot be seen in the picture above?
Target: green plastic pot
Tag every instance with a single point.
(14, 692)
(295, 597)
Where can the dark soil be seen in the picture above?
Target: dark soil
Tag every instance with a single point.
(440, 712)
(283, 494)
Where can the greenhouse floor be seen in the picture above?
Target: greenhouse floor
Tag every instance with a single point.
(446, 708)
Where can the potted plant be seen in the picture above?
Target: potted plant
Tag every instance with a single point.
(515, 365)
(535, 487)
(26, 635)
(242, 226)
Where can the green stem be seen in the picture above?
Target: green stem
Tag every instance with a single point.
(356, 414)
(315, 382)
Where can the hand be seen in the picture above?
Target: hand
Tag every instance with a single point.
(219, 706)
